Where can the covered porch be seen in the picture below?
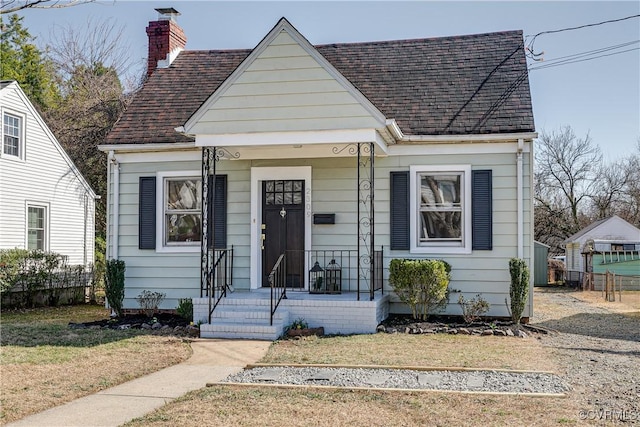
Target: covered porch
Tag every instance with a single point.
(294, 272)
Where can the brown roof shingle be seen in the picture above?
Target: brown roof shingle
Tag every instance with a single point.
(476, 84)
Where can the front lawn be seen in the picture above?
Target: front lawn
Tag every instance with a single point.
(271, 406)
(44, 363)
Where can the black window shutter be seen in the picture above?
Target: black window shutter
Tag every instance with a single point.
(482, 209)
(399, 210)
(147, 213)
(219, 211)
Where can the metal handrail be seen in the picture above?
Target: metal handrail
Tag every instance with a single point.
(217, 284)
(277, 282)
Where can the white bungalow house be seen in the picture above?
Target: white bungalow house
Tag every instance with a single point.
(277, 182)
(45, 203)
(612, 229)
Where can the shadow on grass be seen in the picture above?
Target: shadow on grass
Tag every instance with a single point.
(598, 325)
(635, 353)
(60, 335)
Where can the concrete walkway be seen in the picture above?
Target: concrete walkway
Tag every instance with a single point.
(212, 361)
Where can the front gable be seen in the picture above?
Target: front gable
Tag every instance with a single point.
(284, 85)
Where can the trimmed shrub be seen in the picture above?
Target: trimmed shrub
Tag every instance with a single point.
(32, 277)
(519, 288)
(185, 308)
(421, 284)
(114, 284)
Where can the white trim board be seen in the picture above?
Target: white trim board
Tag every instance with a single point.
(259, 174)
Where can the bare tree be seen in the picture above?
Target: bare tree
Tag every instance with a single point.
(89, 61)
(75, 47)
(608, 193)
(10, 6)
(629, 208)
(566, 169)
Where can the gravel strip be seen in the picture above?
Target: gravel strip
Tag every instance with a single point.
(484, 381)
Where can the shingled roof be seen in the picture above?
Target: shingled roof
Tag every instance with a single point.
(476, 84)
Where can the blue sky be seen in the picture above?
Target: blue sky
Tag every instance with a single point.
(600, 96)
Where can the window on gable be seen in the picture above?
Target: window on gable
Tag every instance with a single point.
(182, 211)
(440, 209)
(12, 135)
(36, 227)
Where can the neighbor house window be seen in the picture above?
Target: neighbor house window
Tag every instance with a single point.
(36, 227)
(182, 211)
(12, 135)
(440, 201)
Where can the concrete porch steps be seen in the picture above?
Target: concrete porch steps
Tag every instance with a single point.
(245, 319)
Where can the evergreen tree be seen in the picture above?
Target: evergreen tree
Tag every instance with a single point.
(22, 61)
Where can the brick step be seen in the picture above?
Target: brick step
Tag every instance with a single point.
(225, 328)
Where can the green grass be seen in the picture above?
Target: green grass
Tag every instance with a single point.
(45, 363)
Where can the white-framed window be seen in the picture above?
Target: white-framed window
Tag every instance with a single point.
(37, 230)
(179, 225)
(12, 135)
(440, 209)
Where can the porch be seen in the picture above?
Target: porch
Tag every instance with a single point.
(247, 314)
(330, 288)
(331, 279)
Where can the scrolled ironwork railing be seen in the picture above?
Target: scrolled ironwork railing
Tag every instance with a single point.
(300, 263)
(278, 283)
(219, 277)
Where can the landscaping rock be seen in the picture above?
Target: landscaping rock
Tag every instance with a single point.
(407, 325)
(193, 331)
(520, 333)
(145, 326)
(156, 325)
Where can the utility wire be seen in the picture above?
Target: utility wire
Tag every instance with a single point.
(535, 55)
(567, 62)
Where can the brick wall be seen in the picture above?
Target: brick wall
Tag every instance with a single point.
(164, 37)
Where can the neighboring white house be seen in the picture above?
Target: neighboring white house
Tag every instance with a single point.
(44, 201)
(612, 228)
(295, 160)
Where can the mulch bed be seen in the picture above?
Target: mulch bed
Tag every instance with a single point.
(162, 323)
(451, 325)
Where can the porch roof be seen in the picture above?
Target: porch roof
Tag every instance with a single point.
(462, 85)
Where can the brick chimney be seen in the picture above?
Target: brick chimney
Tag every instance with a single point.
(166, 39)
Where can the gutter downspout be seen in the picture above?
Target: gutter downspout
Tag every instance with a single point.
(519, 197)
(84, 234)
(113, 164)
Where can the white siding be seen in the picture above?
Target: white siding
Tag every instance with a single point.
(333, 191)
(284, 89)
(43, 177)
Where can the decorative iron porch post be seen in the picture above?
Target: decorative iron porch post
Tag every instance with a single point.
(366, 214)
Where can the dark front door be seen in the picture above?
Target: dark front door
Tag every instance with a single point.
(283, 227)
